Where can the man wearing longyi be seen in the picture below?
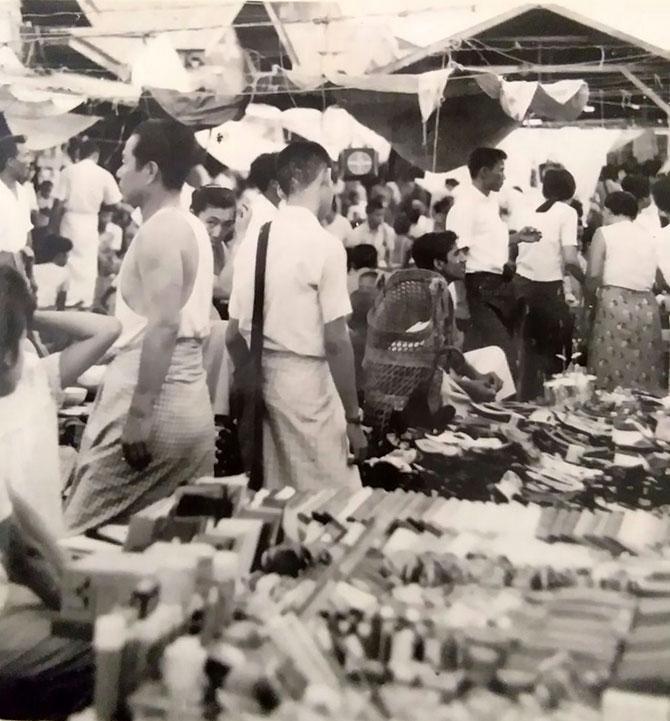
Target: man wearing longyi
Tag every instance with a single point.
(152, 426)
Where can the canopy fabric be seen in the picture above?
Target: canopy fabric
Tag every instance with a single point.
(198, 109)
(44, 133)
(468, 109)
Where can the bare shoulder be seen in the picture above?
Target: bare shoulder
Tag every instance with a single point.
(167, 233)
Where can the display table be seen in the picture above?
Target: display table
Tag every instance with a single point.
(513, 566)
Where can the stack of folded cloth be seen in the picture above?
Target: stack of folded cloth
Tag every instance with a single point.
(587, 625)
(645, 665)
(616, 530)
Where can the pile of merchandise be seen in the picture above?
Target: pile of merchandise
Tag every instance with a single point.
(374, 605)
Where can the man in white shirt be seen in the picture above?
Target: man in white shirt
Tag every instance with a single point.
(336, 224)
(375, 231)
(263, 206)
(16, 202)
(83, 188)
(475, 218)
(311, 415)
(648, 218)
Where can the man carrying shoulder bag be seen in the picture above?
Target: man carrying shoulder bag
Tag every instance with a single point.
(289, 341)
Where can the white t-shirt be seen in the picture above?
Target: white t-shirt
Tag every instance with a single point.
(543, 261)
(29, 439)
(340, 228)
(85, 186)
(51, 279)
(15, 223)
(305, 283)
(475, 218)
(631, 257)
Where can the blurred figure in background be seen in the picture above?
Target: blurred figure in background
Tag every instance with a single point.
(402, 252)
(217, 209)
(83, 189)
(376, 232)
(335, 223)
(648, 218)
(50, 270)
(16, 204)
(440, 211)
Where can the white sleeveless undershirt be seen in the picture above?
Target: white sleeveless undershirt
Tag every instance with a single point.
(195, 314)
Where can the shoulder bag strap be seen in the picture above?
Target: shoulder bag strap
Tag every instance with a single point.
(256, 359)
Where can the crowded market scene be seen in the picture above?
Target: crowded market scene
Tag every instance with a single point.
(334, 360)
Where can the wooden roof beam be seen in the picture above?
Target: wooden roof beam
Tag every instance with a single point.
(646, 90)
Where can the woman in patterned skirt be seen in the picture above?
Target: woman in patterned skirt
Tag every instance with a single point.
(625, 347)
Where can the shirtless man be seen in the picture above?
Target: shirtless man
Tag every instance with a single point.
(152, 427)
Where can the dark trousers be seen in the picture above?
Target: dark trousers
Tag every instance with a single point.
(544, 333)
(492, 313)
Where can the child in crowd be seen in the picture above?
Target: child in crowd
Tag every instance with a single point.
(50, 271)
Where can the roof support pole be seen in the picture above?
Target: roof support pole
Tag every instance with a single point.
(644, 88)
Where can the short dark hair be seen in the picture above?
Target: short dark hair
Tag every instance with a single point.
(577, 205)
(402, 224)
(262, 171)
(431, 247)
(299, 164)
(9, 149)
(212, 196)
(443, 205)
(558, 184)
(622, 203)
(661, 193)
(484, 158)
(88, 148)
(374, 205)
(637, 185)
(169, 144)
(362, 256)
(46, 248)
(17, 306)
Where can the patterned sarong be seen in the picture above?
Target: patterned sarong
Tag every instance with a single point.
(626, 345)
(106, 488)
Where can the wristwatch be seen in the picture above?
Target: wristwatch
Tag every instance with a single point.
(357, 419)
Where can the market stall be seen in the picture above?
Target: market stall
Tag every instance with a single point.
(513, 564)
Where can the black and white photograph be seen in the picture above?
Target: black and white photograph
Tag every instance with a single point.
(334, 360)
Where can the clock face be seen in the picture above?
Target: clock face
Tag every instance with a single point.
(359, 163)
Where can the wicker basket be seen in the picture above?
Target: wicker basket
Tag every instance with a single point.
(398, 362)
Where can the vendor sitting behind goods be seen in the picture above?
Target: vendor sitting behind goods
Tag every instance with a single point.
(484, 374)
(481, 375)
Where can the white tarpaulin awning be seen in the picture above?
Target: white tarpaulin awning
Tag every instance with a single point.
(44, 133)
